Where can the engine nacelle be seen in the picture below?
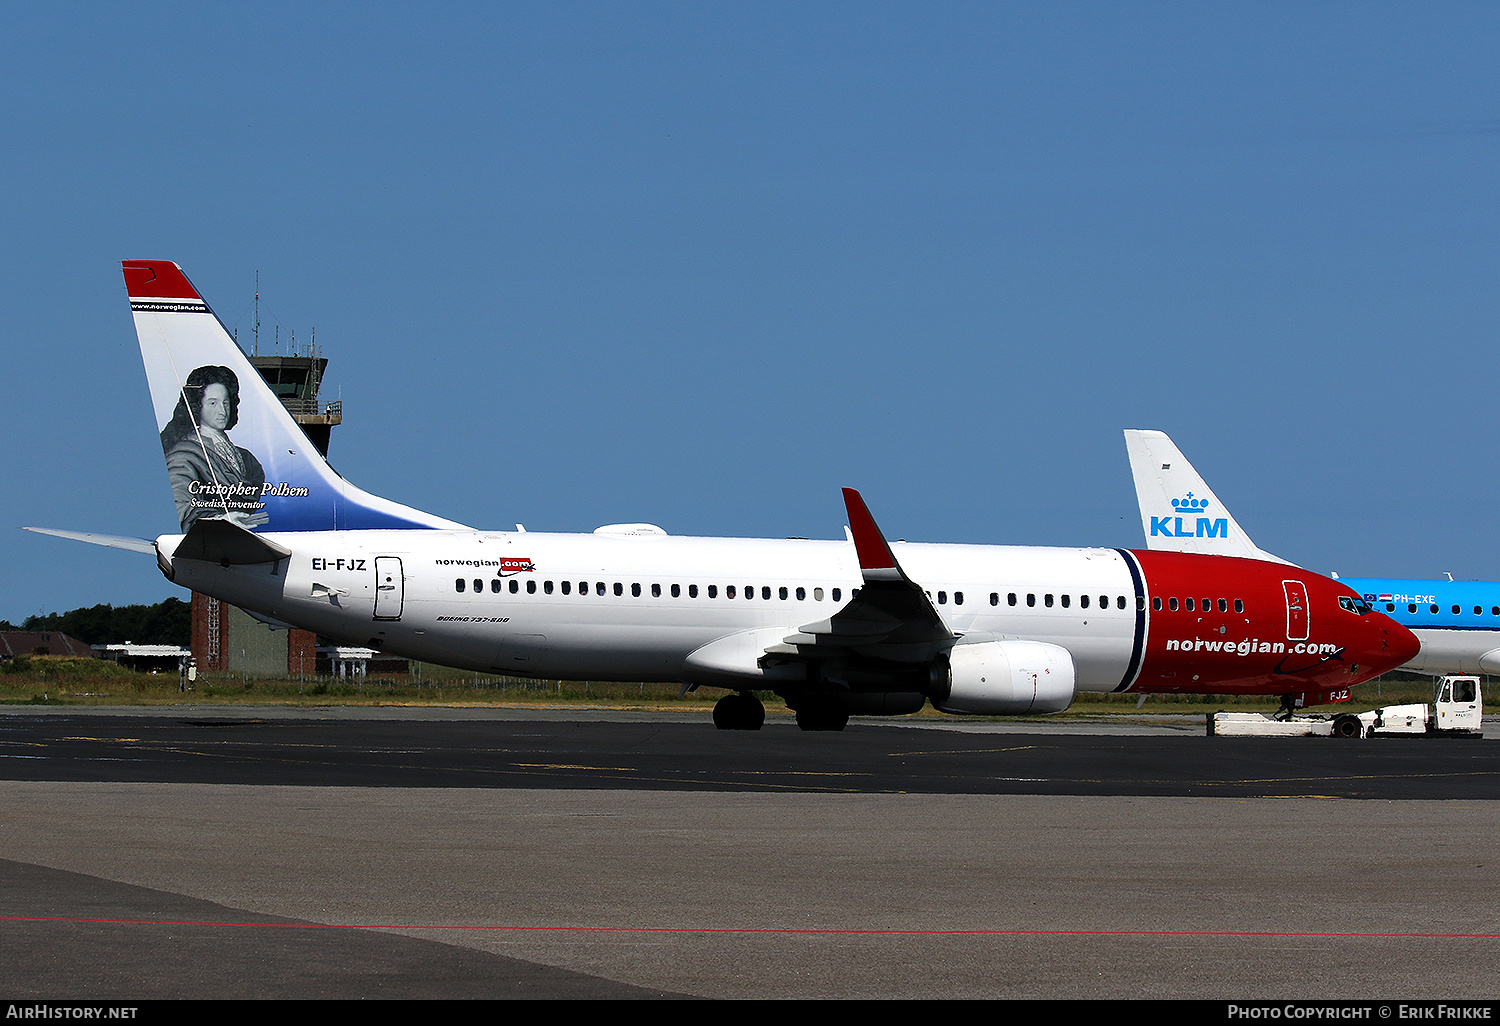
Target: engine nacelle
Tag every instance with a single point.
(1007, 678)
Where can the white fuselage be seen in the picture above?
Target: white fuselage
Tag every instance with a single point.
(656, 607)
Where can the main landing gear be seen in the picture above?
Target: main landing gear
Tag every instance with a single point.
(815, 714)
(743, 711)
(739, 711)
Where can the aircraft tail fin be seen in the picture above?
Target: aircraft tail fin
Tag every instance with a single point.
(233, 450)
(1179, 512)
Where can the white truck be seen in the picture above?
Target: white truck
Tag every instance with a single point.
(1457, 710)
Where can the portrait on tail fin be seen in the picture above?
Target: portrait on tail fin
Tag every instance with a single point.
(211, 476)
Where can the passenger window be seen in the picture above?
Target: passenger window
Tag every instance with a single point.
(1122, 601)
(729, 591)
(531, 587)
(994, 598)
(1433, 607)
(713, 591)
(801, 594)
(1172, 604)
(1010, 599)
(818, 594)
(1223, 605)
(567, 587)
(1083, 601)
(478, 585)
(958, 598)
(547, 586)
(1187, 604)
(460, 585)
(1030, 599)
(1047, 601)
(515, 585)
(692, 590)
(1239, 605)
(836, 593)
(1156, 602)
(635, 590)
(765, 593)
(496, 585)
(1455, 610)
(942, 598)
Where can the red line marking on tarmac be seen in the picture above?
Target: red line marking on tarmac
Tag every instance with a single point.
(762, 931)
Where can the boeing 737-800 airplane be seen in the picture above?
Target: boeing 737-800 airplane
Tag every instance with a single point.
(835, 627)
(1457, 622)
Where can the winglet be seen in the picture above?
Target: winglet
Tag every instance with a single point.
(876, 561)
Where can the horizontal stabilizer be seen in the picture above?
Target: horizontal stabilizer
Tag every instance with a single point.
(226, 543)
(145, 545)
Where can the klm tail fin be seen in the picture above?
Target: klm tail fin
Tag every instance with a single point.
(233, 452)
(1179, 512)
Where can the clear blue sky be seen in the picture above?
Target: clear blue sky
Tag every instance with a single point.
(703, 264)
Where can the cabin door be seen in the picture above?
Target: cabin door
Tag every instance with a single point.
(1298, 620)
(389, 591)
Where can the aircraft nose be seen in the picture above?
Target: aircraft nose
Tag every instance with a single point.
(1399, 645)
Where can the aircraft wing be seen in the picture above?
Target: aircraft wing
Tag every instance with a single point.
(890, 617)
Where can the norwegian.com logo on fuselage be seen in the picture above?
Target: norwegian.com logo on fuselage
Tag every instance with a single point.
(1189, 521)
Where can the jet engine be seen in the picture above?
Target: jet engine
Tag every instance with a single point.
(1003, 678)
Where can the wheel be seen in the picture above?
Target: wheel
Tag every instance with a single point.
(739, 712)
(822, 716)
(1347, 726)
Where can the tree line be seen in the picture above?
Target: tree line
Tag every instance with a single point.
(168, 622)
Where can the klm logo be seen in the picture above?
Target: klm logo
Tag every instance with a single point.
(1181, 526)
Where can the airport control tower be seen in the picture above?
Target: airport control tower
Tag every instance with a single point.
(295, 380)
(227, 639)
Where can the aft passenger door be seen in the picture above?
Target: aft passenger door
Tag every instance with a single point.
(389, 591)
(1298, 621)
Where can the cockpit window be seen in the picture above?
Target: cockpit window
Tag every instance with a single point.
(1358, 607)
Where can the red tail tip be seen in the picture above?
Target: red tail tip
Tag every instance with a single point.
(157, 279)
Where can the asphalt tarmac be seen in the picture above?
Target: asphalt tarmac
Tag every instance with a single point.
(224, 853)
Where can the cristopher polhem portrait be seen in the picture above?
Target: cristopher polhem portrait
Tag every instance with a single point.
(211, 476)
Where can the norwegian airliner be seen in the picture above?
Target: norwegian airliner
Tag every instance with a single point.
(850, 626)
(1457, 622)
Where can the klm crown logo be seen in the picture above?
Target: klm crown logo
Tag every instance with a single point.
(1188, 509)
